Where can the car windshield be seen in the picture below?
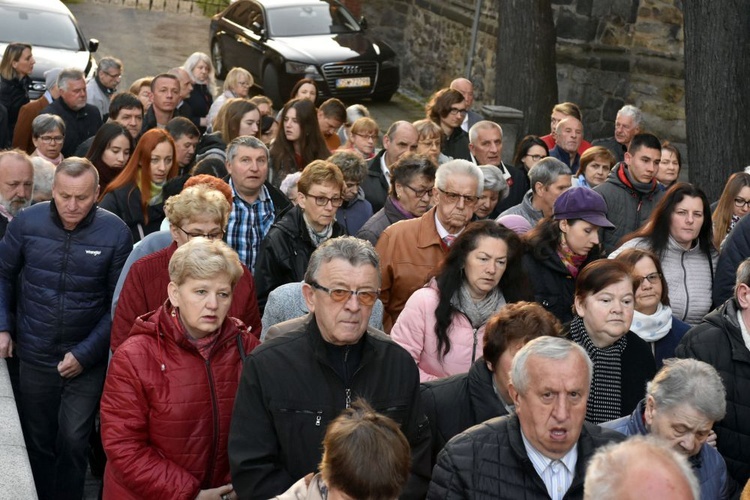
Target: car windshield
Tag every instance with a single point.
(304, 20)
(40, 29)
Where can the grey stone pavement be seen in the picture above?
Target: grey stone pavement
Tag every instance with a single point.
(150, 42)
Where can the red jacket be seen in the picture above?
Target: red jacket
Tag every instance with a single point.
(145, 289)
(166, 410)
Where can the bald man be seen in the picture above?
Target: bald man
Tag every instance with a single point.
(467, 90)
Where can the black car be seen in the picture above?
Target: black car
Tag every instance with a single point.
(282, 41)
(52, 31)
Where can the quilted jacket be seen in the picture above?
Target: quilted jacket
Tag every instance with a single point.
(166, 410)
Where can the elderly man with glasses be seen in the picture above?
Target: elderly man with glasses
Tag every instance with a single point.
(411, 250)
(101, 88)
(295, 384)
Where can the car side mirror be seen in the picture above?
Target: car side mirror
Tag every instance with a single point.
(93, 44)
(258, 29)
(363, 22)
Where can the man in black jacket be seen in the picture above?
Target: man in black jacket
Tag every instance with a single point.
(400, 138)
(543, 449)
(82, 120)
(295, 384)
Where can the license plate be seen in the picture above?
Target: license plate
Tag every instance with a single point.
(345, 83)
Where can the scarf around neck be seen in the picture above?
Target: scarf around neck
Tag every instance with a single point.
(480, 311)
(570, 260)
(652, 327)
(317, 237)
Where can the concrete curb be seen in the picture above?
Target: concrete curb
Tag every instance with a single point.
(16, 481)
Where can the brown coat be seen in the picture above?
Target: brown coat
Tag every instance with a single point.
(22, 134)
(410, 252)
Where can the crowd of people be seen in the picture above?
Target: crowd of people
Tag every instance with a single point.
(204, 297)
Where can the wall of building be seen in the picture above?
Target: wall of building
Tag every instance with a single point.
(609, 53)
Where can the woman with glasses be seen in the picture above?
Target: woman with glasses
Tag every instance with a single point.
(412, 181)
(447, 109)
(430, 141)
(733, 205)
(530, 150)
(678, 232)
(168, 397)
(653, 320)
(298, 142)
(15, 77)
(198, 211)
(290, 242)
(48, 136)
(442, 324)
(237, 84)
(558, 247)
(595, 164)
(110, 151)
(363, 138)
(135, 195)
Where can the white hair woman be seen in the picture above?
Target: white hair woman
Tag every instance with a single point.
(200, 69)
(169, 393)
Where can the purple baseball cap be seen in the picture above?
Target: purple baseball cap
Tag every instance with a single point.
(582, 203)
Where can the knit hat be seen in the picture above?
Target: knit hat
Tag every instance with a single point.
(50, 77)
(516, 223)
(582, 203)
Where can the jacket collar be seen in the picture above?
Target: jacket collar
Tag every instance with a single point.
(86, 221)
(484, 403)
(318, 344)
(427, 234)
(725, 319)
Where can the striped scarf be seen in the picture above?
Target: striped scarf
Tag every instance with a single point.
(605, 398)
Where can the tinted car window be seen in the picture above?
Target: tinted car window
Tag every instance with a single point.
(41, 29)
(323, 19)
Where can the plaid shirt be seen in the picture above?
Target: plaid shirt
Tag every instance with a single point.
(248, 225)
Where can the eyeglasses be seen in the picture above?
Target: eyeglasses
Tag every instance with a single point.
(454, 197)
(419, 193)
(368, 137)
(115, 76)
(457, 111)
(653, 278)
(244, 84)
(365, 298)
(212, 236)
(47, 139)
(431, 144)
(535, 157)
(741, 203)
(322, 201)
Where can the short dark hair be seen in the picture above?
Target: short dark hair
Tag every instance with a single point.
(441, 102)
(163, 75)
(600, 274)
(333, 108)
(408, 166)
(527, 143)
(648, 141)
(179, 126)
(123, 100)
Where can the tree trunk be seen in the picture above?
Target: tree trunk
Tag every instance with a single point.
(717, 104)
(526, 70)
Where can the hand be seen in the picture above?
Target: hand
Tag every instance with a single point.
(225, 492)
(6, 345)
(711, 438)
(69, 367)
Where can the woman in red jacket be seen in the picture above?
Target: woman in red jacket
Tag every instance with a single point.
(168, 396)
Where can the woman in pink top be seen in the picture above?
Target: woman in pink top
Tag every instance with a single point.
(442, 324)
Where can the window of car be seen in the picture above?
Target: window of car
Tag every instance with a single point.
(39, 28)
(305, 20)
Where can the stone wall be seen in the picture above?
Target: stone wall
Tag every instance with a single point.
(609, 53)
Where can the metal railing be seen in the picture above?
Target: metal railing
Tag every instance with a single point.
(197, 7)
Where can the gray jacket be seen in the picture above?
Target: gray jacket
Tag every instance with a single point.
(689, 276)
(526, 210)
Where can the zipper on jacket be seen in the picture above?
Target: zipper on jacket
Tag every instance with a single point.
(61, 289)
(215, 410)
(684, 281)
(474, 347)
(318, 414)
(348, 397)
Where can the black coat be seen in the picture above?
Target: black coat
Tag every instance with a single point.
(735, 249)
(375, 185)
(199, 101)
(456, 145)
(518, 184)
(14, 94)
(453, 404)
(383, 218)
(718, 342)
(285, 253)
(490, 461)
(290, 391)
(125, 202)
(79, 125)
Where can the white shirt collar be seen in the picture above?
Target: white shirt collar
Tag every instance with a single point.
(385, 169)
(442, 232)
(542, 462)
(743, 328)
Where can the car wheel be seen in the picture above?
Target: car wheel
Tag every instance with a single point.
(271, 85)
(386, 97)
(218, 61)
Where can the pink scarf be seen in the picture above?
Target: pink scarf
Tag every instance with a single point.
(570, 260)
(55, 162)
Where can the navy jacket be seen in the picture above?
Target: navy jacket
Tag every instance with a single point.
(708, 465)
(736, 248)
(65, 280)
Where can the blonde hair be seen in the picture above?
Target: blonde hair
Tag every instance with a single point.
(196, 201)
(201, 258)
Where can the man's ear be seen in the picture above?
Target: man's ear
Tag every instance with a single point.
(515, 396)
(742, 293)
(307, 294)
(628, 158)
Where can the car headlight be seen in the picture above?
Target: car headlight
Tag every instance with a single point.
(293, 67)
(389, 64)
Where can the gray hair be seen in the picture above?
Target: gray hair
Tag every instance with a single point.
(743, 275)
(353, 250)
(633, 112)
(75, 166)
(44, 175)
(483, 125)
(289, 182)
(351, 164)
(108, 63)
(459, 167)
(494, 180)
(556, 348)
(691, 382)
(355, 112)
(247, 141)
(546, 171)
(609, 468)
(68, 75)
(45, 123)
